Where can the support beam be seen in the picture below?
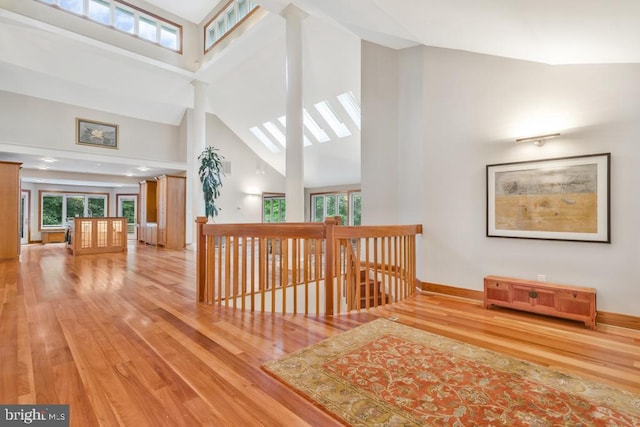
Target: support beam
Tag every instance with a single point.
(294, 174)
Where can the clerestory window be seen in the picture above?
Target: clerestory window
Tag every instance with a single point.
(224, 22)
(126, 18)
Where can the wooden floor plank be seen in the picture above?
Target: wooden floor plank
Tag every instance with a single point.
(120, 338)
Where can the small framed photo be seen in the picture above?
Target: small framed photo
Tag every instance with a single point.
(554, 199)
(97, 134)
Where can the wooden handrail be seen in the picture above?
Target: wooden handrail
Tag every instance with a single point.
(304, 267)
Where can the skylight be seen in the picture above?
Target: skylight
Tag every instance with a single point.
(312, 126)
(351, 106)
(283, 121)
(329, 116)
(257, 132)
(275, 132)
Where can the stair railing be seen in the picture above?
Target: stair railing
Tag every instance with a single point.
(304, 267)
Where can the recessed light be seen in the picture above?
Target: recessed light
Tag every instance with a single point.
(48, 160)
(143, 168)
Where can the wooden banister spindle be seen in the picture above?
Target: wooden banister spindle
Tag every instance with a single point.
(201, 260)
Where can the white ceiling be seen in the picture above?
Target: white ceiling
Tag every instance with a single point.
(246, 81)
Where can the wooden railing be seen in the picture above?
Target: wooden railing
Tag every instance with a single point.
(305, 267)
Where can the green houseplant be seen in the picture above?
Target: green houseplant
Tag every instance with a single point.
(211, 173)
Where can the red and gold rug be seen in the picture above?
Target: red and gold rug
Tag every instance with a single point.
(387, 374)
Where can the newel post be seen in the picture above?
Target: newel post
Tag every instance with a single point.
(330, 238)
(201, 258)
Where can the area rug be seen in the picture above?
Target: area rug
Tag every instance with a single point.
(386, 374)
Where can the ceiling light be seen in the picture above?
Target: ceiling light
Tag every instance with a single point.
(275, 132)
(538, 140)
(143, 168)
(48, 160)
(43, 167)
(313, 127)
(283, 122)
(329, 116)
(257, 132)
(351, 106)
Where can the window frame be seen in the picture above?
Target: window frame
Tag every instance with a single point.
(274, 196)
(350, 205)
(65, 194)
(221, 17)
(138, 14)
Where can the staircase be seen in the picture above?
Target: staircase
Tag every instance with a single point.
(374, 297)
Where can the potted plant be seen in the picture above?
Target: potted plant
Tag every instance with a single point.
(211, 173)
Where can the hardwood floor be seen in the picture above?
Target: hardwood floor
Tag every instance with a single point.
(121, 339)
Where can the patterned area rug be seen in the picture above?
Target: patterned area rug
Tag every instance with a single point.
(387, 374)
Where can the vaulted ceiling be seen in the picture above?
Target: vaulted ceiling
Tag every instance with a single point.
(246, 85)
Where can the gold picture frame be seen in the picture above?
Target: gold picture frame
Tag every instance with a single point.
(96, 134)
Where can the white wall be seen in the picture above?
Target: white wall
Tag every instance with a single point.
(240, 199)
(379, 134)
(34, 122)
(71, 22)
(473, 107)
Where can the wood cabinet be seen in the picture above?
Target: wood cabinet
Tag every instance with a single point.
(98, 235)
(148, 212)
(10, 212)
(171, 211)
(569, 302)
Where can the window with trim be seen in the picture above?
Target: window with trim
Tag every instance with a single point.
(346, 205)
(274, 208)
(56, 208)
(127, 18)
(226, 21)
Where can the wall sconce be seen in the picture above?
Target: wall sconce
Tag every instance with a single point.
(538, 140)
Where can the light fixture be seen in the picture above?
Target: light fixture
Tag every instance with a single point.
(538, 140)
(143, 168)
(49, 160)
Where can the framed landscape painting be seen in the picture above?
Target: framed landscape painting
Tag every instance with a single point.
(97, 134)
(555, 199)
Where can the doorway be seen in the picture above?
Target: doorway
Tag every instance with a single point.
(24, 217)
(127, 205)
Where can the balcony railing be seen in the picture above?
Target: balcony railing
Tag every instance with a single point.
(320, 268)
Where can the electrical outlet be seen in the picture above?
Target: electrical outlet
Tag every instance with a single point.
(542, 278)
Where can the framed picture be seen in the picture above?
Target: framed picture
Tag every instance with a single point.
(555, 199)
(97, 134)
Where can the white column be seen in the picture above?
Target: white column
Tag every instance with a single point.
(196, 143)
(294, 177)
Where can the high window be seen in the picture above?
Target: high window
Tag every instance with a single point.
(127, 18)
(346, 205)
(57, 208)
(274, 208)
(226, 21)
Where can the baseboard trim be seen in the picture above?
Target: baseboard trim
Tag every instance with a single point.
(452, 290)
(613, 319)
